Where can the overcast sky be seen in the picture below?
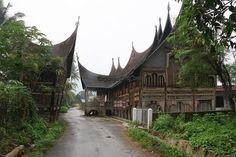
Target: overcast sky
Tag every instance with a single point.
(107, 27)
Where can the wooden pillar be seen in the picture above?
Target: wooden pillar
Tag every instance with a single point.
(86, 100)
(194, 107)
(165, 93)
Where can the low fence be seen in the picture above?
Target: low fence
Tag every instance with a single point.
(143, 116)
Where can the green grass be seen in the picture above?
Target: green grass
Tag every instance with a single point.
(39, 133)
(153, 143)
(215, 132)
(44, 143)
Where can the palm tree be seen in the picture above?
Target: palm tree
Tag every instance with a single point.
(74, 75)
(5, 18)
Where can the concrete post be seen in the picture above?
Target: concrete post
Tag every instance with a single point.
(139, 115)
(134, 116)
(149, 121)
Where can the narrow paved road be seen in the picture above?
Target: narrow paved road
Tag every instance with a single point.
(93, 137)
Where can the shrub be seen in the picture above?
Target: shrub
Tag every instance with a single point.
(216, 132)
(16, 103)
(64, 108)
(19, 121)
(164, 123)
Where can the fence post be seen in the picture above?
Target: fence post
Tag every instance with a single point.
(149, 118)
(134, 117)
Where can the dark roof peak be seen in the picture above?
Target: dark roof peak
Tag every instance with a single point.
(168, 26)
(168, 7)
(119, 68)
(133, 49)
(160, 30)
(113, 68)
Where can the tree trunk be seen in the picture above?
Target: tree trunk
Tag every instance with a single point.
(224, 77)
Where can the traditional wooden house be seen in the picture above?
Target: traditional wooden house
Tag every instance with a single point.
(48, 90)
(149, 80)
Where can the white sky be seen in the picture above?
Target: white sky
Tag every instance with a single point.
(107, 27)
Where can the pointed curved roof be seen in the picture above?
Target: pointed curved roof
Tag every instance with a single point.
(168, 27)
(119, 68)
(113, 68)
(65, 50)
(93, 80)
(136, 58)
(160, 30)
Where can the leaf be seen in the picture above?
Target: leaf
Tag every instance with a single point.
(233, 17)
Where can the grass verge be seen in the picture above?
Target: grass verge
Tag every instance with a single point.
(153, 143)
(46, 142)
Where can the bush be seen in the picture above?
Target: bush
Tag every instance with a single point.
(64, 109)
(42, 144)
(19, 121)
(164, 123)
(16, 103)
(216, 132)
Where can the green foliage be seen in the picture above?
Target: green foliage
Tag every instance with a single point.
(24, 57)
(69, 95)
(216, 132)
(153, 143)
(232, 72)
(20, 58)
(165, 124)
(44, 143)
(16, 103)
(3, 14)
(135, 123)
(19, 121)
(204, 31)
(64, 108)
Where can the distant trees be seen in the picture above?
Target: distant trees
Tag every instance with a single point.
(204, 31)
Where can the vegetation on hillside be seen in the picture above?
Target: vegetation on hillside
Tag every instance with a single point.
(216, 132)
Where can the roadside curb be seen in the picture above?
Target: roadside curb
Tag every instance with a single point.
(124, 122)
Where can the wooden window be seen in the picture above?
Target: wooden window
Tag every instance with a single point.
(161, 81)
(154, 79)
(148, 80)
(211, 81)
(204, 105)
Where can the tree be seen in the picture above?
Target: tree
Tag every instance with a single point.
(204, 31)
(24, 52)
(3, 14)
(232, 72)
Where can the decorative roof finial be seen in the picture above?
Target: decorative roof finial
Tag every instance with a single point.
(118, 66)
(132, 45)
(77, 23)
(112, 60)
(156, 27)
(159, 20)
(168, 7)
(77, 57)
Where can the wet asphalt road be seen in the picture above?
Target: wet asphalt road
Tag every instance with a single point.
(92, 137)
